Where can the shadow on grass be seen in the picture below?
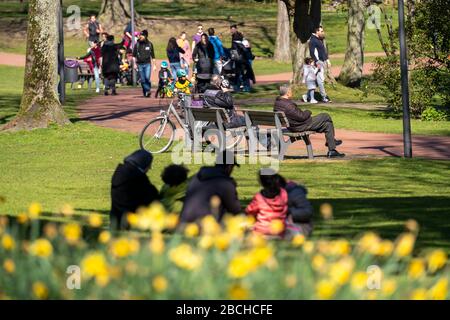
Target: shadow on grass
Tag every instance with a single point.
(387, 217)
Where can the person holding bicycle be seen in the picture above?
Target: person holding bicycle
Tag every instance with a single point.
(184, 86)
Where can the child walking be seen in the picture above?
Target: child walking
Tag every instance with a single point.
(310, 79)
(269, 205)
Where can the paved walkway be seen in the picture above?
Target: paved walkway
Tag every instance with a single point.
(129, 112)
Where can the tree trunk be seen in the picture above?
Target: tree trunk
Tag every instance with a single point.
(40, 106)
(299, 53)
(282, 46)
(115, 13)
(351, 73)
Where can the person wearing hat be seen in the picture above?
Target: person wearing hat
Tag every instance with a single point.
(165, 77)
(144, 54)
(131, 188)
(212, 191)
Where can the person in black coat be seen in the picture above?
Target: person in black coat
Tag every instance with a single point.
(131, 188)
(110, 64)
(203, 56)
(210, 183)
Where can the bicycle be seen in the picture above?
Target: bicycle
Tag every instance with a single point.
(158, 134)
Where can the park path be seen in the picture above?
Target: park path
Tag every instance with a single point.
(18, 60)
(129, 111)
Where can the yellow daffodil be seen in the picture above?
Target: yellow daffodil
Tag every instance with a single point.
(171, 221)
(8, 242)
(241, 265)
(210, 226)
(104, 237)
(206, 242)
(40, 290)
(9, 266)
(256, 240)
(238, 292)
(35, 210)
(416, 268)
(157, 243)
(440, 290)
(298, 240)
(132, 219)
(419, 294)
(385, 248)
(341, 270)
(22, 218)
(124, 247)
(318, 262)
(359, 281)
(152, 218)
(276, 226)
(222, 241)
(340, 247)
(436, 260)
(412, 226)
(404, 245)
(71, 232)
(160, 284)
(94, 265)
(326, 210)
(95, 220)
(325, 289)
(308, 247)
(369, 242)
(41, 248)
(388, 287)
(184, 257)
(191, 230)
(67, 210)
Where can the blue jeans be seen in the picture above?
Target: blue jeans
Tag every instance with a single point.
(145, 72)
(97, 78)
(175, 66)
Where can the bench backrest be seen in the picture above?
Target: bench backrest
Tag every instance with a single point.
(84, 68)
(209, 114)
(266, 118)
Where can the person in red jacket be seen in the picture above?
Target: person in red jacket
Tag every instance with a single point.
(269, 205)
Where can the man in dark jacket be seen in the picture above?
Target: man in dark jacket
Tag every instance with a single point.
(131, 188)
(207, 186)
(302, 121)
(318, 52)
(110, 64)
(144, 54)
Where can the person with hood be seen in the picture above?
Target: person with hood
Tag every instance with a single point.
(110, 64)
(131, 188)
(300, 210)
(173, 192)
(145, 54)
(203, 56)
(212, 191)
(269, 205)
(301, 120)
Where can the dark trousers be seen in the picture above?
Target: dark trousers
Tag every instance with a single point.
(321, 123)
(110, 81)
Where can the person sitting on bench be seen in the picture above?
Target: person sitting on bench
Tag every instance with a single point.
(218, 95)
(300, 121)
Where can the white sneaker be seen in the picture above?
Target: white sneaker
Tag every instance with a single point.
(97, 90)
(313, 101)
(305, 98)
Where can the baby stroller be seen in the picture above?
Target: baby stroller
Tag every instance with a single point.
(229, 71)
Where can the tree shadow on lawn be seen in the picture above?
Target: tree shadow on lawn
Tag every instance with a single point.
(387, 217)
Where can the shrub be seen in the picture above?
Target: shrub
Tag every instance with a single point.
(433, 114)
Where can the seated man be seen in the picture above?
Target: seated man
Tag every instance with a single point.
(302, 121)
(210, 183)
(131, 188)
(218, 95)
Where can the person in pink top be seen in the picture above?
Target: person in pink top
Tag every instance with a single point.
(269, 205)
(186, 57)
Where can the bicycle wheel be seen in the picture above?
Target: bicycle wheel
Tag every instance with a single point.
(157, 135)
(232, 139)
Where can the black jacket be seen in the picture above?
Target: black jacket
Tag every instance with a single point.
(209, 182)
(299, 207)
(317, 49)
(110, 58)
(143, 52)
(130, 189)
(173, 55)
(295, 116)
(205, 56)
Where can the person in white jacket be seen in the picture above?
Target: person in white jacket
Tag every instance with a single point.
(310, 80)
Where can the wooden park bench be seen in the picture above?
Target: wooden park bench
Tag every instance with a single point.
(85, 74)
(276, 124)
(214, 119)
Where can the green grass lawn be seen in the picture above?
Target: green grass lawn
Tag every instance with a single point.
(74, 165)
